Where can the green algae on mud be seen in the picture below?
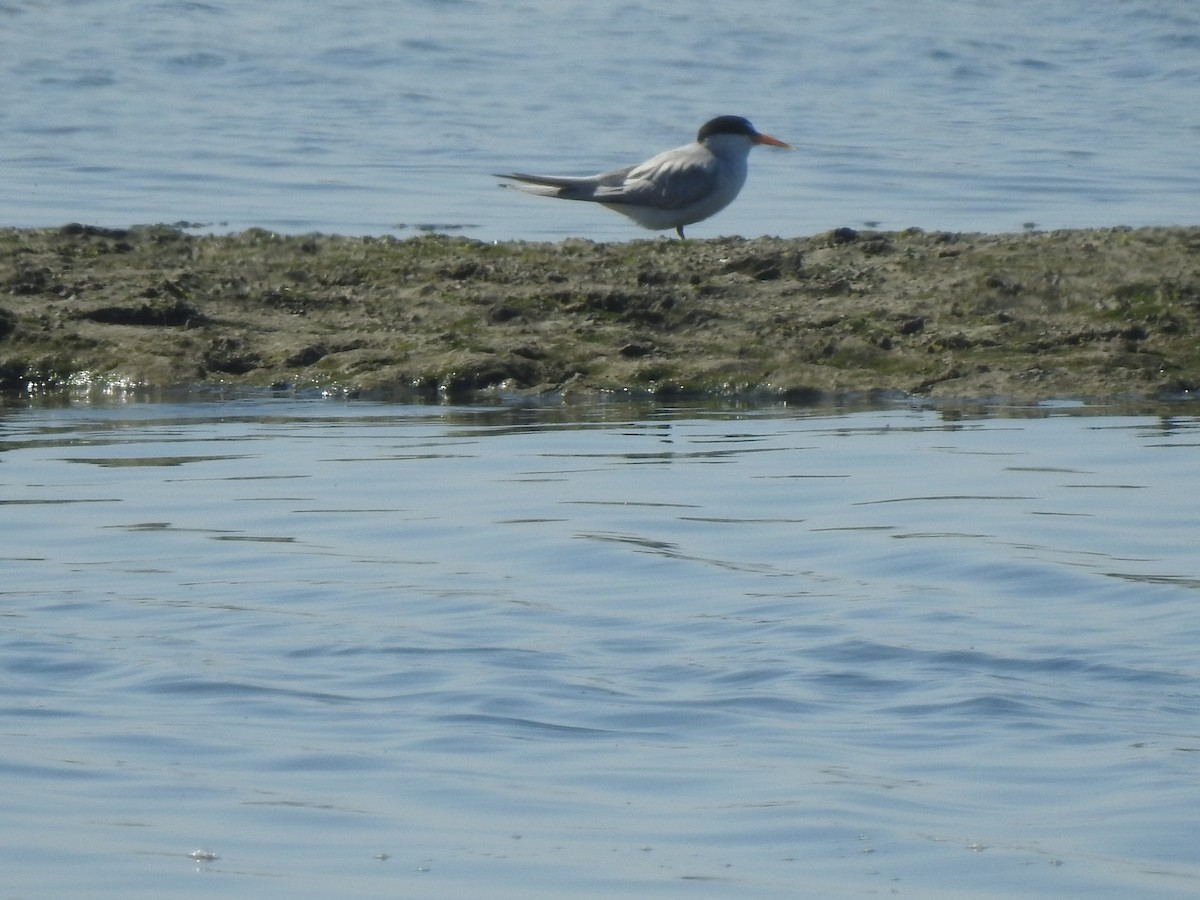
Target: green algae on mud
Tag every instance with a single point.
(1034, 315)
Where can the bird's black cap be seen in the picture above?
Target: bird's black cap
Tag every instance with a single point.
(726, 125)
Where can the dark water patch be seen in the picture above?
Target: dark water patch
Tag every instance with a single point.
(57, 501)
(121, 462)
(740, 521)
(526, 728)
(217, 689)
(943, 497)
(262, 538)
(1184, 581)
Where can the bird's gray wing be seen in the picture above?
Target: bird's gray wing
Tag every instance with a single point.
(669, 181)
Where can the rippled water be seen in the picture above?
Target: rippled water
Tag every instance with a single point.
(365, 650)
(358, 116)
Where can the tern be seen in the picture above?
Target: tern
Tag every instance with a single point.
(676, 188)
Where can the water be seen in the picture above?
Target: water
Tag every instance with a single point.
(364, 650)
(359, 117)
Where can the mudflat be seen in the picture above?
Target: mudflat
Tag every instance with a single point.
(1030, 315)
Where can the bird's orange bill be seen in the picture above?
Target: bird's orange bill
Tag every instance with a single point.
(774, 142)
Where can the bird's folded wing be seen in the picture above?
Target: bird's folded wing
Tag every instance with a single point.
(670, 183)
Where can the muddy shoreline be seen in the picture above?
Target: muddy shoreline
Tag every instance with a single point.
(1091, 313)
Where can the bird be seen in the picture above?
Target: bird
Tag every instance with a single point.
(675, 188)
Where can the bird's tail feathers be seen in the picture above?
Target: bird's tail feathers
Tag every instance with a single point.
(551, 185)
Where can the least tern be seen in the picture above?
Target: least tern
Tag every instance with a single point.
(676, 188)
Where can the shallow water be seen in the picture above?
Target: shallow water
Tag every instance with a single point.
(359, 117)
(371, 650)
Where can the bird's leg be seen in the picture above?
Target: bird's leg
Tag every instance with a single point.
(679, 228)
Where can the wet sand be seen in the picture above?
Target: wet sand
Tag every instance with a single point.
(1036, 315)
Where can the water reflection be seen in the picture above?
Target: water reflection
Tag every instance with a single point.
(307, 634)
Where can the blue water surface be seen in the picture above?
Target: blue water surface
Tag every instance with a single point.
(312, 648)
(365, 117)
